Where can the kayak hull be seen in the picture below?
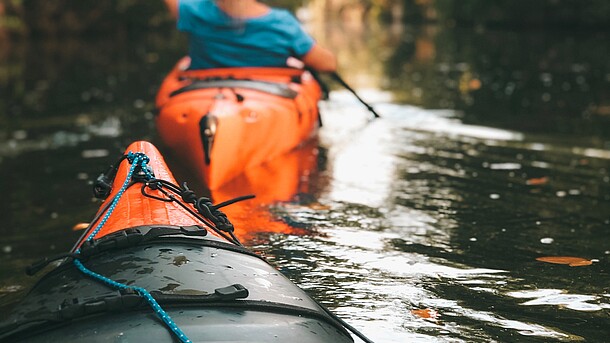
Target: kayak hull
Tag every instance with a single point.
(274, 310)
(209, 326)
(213, 289)
(223, 121)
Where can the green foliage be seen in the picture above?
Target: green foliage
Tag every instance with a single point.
(9, 20)
(10, 23)
(287, 4)
(524, 12)
(77, 16)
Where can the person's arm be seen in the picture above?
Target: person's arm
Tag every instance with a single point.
(320, 59)
(172, 6)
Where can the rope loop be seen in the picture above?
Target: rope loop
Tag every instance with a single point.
(144, 172)
(206, 207)
(188, 195)
(133, 156)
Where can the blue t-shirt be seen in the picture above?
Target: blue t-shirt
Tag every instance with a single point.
(218, 40)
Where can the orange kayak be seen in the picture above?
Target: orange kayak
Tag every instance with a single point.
(160, 263)
(224, 121)
(134, 209)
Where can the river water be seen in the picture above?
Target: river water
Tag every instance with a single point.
(493, 150)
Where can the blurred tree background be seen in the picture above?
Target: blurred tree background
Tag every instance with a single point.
(78, 16)
(35, 17)
(523, 64)
(523, 12)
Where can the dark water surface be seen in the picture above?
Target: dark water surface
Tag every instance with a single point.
(493, 150)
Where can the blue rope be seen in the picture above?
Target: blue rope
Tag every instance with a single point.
(133, 159)
(137, 159)
(160, 312)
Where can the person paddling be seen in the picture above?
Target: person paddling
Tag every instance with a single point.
(246, 33)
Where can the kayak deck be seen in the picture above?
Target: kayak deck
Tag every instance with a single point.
(174, 265)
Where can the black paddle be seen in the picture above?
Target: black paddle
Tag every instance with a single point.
(326, 90)
(344, 84)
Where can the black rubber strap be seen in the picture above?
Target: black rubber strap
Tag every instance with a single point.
(274, 88)
(140, 235)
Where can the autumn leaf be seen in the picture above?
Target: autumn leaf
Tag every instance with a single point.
(537, 181)
(80, 226)
(426, 313)
(318, 207)
(569, 260)
(474, 84)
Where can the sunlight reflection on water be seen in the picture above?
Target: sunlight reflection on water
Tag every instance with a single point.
(392, 262)
(559, 297)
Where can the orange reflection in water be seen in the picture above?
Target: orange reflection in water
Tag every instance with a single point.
(278, 180)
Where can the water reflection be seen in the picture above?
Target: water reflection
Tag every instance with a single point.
(502, 78)
(284, 179)
(558, 297)
(534, 81)
(449, 223)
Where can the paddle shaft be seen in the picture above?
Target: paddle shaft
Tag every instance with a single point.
(338, 78)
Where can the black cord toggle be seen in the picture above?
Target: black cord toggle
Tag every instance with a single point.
(103, 184)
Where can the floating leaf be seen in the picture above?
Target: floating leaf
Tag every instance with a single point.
(569, 260)
(80, 226)
(537, 181)
(318, 207)
(474, 84)
(426, 313)
(584, 262)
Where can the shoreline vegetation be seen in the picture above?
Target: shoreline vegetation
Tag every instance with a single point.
(524, 77)
(19, 18)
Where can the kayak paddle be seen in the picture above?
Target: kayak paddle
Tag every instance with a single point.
(344, 84)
